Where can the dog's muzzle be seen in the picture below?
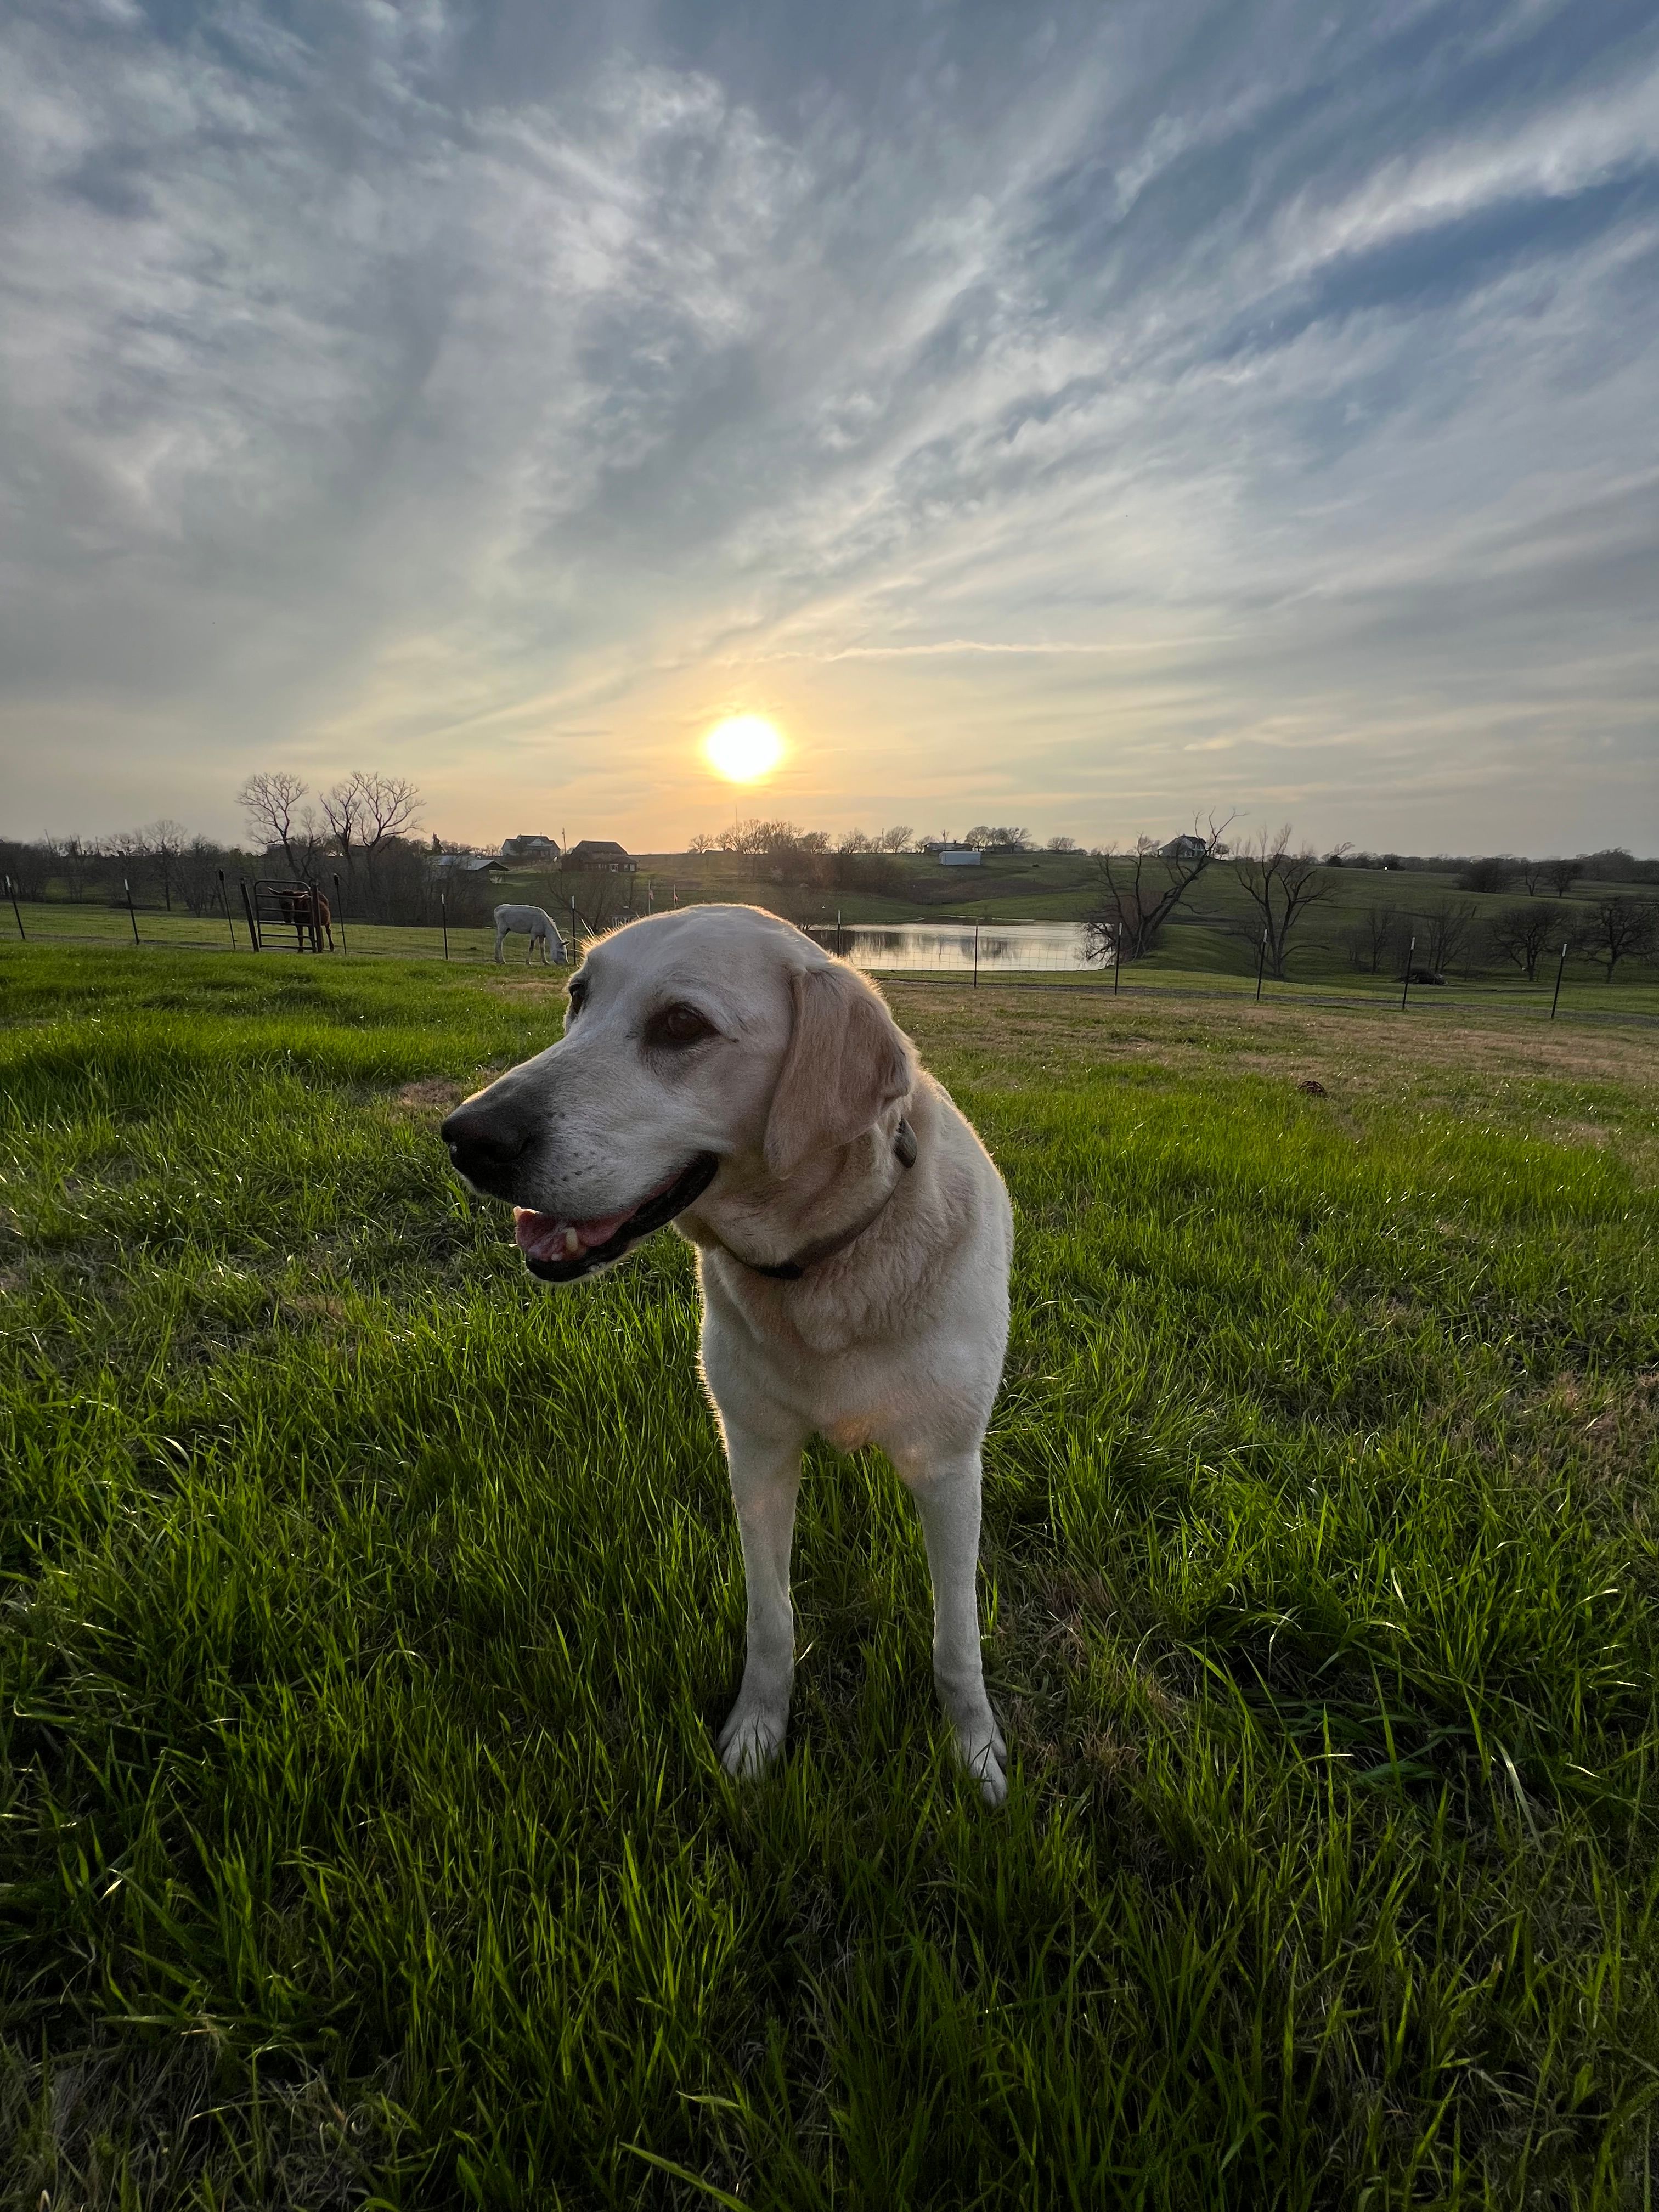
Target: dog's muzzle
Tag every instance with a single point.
(651, 1214)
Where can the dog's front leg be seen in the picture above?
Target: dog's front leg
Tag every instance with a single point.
(947, 1495)
(765, 1478)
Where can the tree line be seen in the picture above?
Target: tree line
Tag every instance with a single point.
(1141, 887)
(360, 830)
(1454, 932)
(161, 862)
(775, 840)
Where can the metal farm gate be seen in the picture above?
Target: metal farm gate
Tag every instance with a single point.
(301, 907)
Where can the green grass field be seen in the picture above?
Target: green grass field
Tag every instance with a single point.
(367, 1610)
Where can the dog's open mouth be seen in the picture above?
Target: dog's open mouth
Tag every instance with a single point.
(560, 1251)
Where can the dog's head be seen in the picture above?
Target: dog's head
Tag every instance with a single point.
(716, 1033)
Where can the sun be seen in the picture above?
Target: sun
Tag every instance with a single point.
(743, 748)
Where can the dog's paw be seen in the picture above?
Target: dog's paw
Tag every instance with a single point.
(983, 1753)
(752, 1735)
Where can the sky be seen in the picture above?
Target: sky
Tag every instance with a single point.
(1084, 418)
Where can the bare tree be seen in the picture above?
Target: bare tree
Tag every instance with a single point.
(1060, 845)
(896, 839)
(1620, 928)
(128, 850)
(342, 812)
(855, 841)
(1370, 936)
(702, 842)
(1137, 891)
(1282, 885)
(164, 843)
(1523, 934)
(1562, 875)
(73, 858)
(198, 874)
(272, 805)
(365, 812)
(1445, 933)
(1532, 874)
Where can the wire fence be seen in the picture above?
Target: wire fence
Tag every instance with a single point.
(1006, 955)
(60, 922)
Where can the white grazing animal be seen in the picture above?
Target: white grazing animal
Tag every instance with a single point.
(540, 929)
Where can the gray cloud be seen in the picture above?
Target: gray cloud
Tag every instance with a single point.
(1125, 411)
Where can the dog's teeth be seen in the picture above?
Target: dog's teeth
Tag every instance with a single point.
(572, 1244)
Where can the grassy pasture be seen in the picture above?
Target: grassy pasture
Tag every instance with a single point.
(1196, 959)
(367, 1610)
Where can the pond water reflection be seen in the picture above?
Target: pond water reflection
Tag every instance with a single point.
(946, 947)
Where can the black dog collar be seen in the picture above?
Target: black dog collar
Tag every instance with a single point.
(790, 1271)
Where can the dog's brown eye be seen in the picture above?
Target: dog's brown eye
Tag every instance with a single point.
(677, 1025)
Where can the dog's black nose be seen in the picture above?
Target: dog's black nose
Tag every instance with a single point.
(482, 1142)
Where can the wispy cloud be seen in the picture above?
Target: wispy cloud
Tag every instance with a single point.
(1126, 406)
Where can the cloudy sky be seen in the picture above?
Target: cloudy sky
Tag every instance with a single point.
(1082, 417)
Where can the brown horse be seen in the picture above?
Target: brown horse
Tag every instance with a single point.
(308, 911)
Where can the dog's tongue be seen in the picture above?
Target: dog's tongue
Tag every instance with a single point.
(544, 1237)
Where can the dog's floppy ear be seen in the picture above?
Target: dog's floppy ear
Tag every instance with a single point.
(847, 1060)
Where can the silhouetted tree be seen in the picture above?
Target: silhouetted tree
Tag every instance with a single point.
(270, 803)
(73, 858)
(1445, 933)
(1283, 885)
(198, 873)
(366, 812)
(1523, 934)
(1137, 891)
(1369, 938)
(1619, 928)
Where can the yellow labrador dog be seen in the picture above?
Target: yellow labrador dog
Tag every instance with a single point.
(718, 1070)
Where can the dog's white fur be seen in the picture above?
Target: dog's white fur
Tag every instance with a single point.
(539, 927)
(897, 1340)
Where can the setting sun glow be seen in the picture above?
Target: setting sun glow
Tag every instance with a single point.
(743, 748)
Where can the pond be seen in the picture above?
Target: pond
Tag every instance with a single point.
(947, 948)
